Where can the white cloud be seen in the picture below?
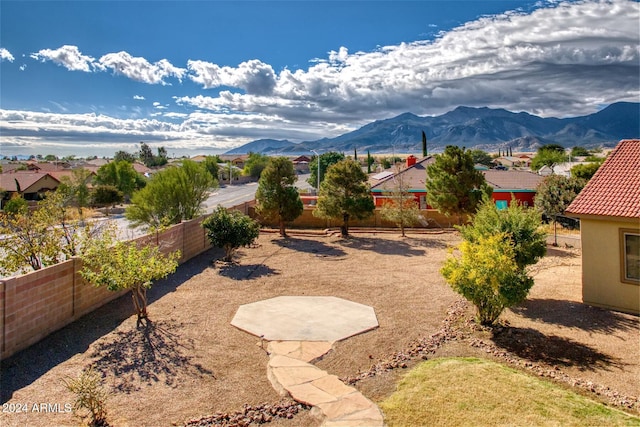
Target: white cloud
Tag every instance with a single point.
(5, 55)
(254, 76)
(23, 67)
(66, 56)
(565, 59)
(138, 97)
(139, 69)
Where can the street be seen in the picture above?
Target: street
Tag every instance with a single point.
(226, 195)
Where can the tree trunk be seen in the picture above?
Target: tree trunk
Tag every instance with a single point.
(555, 231)
(344, 228)
(283, 232)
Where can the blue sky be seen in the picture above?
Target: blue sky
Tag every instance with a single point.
(95, 77)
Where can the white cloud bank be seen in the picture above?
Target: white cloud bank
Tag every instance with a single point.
(567, 59)
(5, 55)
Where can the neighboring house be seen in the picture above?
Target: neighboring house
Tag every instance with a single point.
(509, 184)
(506, 184)
(413, 178)
(301, 164)
(609, 211)
(32, 185)
(142, 169)
(512, 161)
(237, 161)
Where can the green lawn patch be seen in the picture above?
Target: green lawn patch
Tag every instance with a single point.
(476, 392)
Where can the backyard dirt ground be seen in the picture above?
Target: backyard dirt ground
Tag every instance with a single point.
(190, 362)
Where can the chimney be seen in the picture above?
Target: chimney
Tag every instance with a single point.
(411, 160)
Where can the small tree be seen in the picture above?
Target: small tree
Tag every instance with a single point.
(277, 197)
(400, 207)
(487, 274)
(519, 225)
(481, 157)
(369, 161)
(454, 186)
(121, 175)
(424, 145)
(125, 265)
(230, 230)
(42, 237)
(105, 196)
(345, 194)
(255, 164)
(211, 163)
(326, 160)
(123, 155)
(548, 155)
(90, 397)
(554, 195)
(76, 188)
(172, 195)
(586, 170)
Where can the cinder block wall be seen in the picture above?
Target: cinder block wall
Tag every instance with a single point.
(36, 304)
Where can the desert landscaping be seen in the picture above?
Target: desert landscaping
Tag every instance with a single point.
(191, 366)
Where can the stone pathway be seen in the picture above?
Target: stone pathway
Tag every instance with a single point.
(300, 331)
(290, 371)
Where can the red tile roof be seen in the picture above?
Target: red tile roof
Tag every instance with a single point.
(614, 190)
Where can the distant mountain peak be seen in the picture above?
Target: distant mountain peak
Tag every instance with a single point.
(472, 127)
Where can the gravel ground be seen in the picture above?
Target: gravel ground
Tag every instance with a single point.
(191, 365)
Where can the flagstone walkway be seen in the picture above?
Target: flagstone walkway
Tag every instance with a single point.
(300, 331)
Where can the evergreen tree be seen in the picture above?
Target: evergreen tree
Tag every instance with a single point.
(454, 186)
(424, 144)
(554, 195)
(277, 197)
(345, 194)
(230, 230)
(326, 160)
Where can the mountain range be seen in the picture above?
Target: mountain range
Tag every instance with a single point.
(484, 128)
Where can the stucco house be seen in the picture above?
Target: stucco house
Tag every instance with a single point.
(609, 211)
(505, 183)
(31, 185)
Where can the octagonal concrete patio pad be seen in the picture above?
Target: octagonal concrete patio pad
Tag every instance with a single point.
(305, 318)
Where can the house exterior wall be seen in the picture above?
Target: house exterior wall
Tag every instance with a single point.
(601, 264)
(525, 198)
(47, 182)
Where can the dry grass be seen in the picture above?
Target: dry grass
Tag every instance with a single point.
(457, 392)
(191, 362)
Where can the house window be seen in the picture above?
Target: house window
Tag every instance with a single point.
(423, 202)
(630, 251)
(502, 205)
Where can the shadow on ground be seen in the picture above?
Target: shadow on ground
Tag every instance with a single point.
(310, 246)
(26, 366)
(576, 315)
(152, 352)
(382, 247)
(535, 346)
(245, 272)
(552, 251)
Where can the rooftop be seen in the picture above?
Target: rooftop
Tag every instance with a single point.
(614, 190)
